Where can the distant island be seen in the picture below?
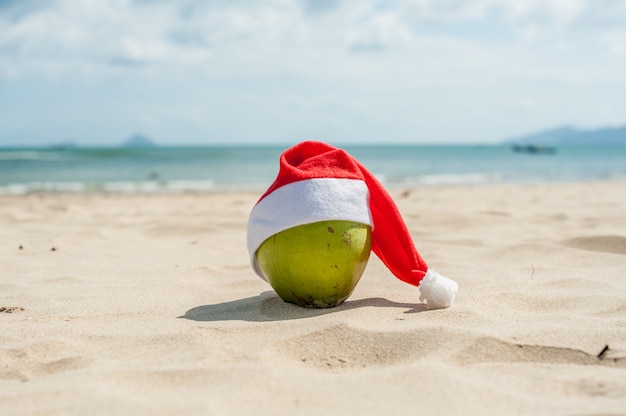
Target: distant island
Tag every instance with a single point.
(138, 140)
(565, 136)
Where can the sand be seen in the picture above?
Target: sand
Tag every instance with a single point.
(146, 304)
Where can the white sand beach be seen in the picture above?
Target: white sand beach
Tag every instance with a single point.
(146, 304)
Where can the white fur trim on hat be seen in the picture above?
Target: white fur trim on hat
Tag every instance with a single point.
(304, 202)
(438, 291)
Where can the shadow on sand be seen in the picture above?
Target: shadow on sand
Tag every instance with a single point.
(267, 307)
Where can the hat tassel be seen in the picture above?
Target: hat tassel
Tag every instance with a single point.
(438, 291)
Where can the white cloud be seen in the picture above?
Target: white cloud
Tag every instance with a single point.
(393, 63)
(95, 34)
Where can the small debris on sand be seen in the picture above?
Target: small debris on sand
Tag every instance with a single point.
(10, 309)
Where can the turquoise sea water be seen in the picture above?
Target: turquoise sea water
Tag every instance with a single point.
(219, 168)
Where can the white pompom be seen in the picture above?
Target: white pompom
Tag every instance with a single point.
(438, 291)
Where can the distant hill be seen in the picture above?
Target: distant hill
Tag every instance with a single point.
(570, 136)
(138, 140)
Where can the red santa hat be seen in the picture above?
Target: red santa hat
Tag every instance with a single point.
(319, 182)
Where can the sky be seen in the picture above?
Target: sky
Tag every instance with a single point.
(279, 71)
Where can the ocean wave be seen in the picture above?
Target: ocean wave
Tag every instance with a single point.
(120, 187)
(30, 155)
(437, 179)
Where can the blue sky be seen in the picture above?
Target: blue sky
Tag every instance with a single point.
(280, 71)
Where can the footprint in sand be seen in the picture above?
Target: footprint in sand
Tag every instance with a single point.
(615, 244)
(493, 350)
(343, 347)
(37, 360)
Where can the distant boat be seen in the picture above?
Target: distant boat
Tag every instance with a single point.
(533, 149)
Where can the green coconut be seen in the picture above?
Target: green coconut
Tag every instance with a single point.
(316, 265)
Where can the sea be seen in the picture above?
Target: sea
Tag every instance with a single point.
(173, 169)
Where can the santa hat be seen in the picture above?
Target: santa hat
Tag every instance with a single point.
(319, 182)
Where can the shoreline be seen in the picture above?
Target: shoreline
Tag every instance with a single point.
(209, 187)
(148, 303)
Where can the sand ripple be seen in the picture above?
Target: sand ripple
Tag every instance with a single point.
(342, 347)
